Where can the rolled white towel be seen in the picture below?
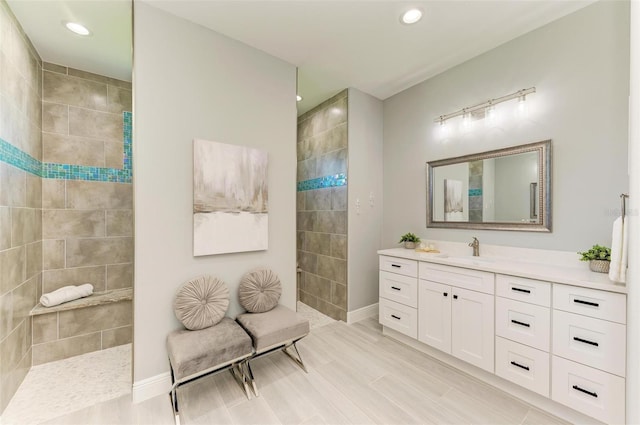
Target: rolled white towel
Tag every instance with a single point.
(66, 293)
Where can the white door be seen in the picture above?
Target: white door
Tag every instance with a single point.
(472, 328)
(434, 315)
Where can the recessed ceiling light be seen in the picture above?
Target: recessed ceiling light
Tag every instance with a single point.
(411, 16)
(298, 98)
(76, 28)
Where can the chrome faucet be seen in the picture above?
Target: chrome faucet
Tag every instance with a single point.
(476, 247)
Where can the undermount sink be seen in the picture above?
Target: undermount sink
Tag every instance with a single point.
(469, 259)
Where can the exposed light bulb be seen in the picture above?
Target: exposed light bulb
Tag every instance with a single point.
(523, 107)
(466, 121)
(491, 116)
(298, 98)
(411, 16)
(445, 129)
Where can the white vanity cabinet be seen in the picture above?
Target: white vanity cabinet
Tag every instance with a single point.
(553, 332)
(523, 332)
(455, 320)
(399, 295)
(589, 351)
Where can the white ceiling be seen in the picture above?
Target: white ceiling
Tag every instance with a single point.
(335, 44)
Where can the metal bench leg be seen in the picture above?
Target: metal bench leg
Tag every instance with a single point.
(297, 359)
(173, 394)
(249, 374)
(241, 378)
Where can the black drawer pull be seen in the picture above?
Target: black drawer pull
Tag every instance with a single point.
(586, 303)
(526, 291)
(520, 323)
(396, 265)
(395, 288)
(520, 366)
(455, 297)
(445, 294)
(395, 317)
(586, 341)
(582, 390)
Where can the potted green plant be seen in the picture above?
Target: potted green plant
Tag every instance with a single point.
(599, 258)
(410, 240)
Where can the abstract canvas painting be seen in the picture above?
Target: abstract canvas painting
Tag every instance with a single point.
(230, 198)
(453, 210)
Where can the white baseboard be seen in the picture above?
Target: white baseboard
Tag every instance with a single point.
(362, 313)
(151, 387)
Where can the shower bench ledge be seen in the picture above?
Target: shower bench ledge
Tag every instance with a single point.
(97, 298)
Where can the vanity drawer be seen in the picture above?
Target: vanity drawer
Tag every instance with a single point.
(523, 365)
(590, 302)
(593, 342)
(587, 390)
(399, 317)
(474, 280)
(521, 289)
(398, 288)
(399, 266)
(524, 323)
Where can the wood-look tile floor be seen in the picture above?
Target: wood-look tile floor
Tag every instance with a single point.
(356, 376)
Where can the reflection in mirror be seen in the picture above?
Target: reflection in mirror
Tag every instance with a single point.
(506, 189)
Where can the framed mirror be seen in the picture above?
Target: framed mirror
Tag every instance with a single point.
(504, 189)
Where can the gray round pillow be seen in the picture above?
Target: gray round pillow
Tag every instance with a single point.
(201, 303)
(260, 290)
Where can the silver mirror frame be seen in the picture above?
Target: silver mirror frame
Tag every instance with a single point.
(543, 150)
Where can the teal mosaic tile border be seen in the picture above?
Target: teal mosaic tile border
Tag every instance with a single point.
(322, 182)
(475, 192)
(48, 170)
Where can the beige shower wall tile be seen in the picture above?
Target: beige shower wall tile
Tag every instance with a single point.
(95, 124)
(69, 90)
(34, 191)
(45, 328)
(119, 222)
(74, 150)
(332, 268)
(97, 195)
(58, 224)
(119, 336)
(339, 198)
(34, 259)
(54, 68)
(33, 141)
(339, 246)
(5, 228)
(118, 99)
(53, 254)
(13, 186)
(13, 347)
(55, 118)
(6, 315)
(319, 199)
(53, 193)
(339, 295)
(65, 348)
(331, 222)
(56, 279)
(26, 225)
(332, 163)
(24, 299)
(99, 251)
(14, 379)
(318, 243)
(99, 78)
(91, 319)
(113, 153)
(119, 276)
(12, 268)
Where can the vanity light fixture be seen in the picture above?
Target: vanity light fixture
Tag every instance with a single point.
(486, 106)
(76, 28)
(411, 16)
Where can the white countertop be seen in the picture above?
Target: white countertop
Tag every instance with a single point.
(578, 275)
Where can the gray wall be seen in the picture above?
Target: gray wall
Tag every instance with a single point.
(190, 82)
(365, 179)
(580, 66)
(513, 175)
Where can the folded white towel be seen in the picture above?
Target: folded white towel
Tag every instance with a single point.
(619, 244)
(66, 293)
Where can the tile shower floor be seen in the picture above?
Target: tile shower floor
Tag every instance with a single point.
(58, 388)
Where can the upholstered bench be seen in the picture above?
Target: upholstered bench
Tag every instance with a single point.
(211, 342)
(271, 326)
